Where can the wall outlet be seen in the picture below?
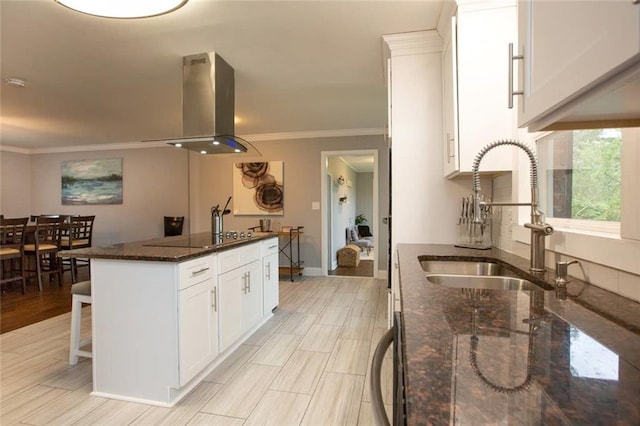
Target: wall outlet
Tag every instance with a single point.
(315, 205)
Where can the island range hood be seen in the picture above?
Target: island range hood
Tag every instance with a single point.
(208, 103)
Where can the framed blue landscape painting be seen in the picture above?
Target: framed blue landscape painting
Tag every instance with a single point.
(92, 182)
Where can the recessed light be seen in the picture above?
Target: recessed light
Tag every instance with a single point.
(215, 143)
(203, 152)
(236, 150)
(124, 9)
(15, 82)
(178, 145)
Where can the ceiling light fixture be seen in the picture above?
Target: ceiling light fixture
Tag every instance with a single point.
(123, 9)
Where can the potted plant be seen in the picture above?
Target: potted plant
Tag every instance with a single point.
(360, 219)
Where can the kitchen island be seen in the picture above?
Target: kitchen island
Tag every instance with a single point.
(514, 356)
(166, 312)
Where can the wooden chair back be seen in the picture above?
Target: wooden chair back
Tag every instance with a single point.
(80, 233)
(49, 232)
(12, 237)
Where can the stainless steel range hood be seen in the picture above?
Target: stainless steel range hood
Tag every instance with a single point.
(208, 104)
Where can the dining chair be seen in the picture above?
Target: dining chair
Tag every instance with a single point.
(79, 234)
(45, 247)
(173, 225)
(12, 238)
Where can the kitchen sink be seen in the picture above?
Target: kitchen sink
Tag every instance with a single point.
(464, 268)
(483, 282)
(474, 275)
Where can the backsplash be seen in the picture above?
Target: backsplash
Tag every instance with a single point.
(611, 279)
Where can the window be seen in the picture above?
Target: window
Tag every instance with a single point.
(580, 179)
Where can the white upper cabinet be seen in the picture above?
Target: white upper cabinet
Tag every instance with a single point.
(475, 85)
(581, 64)
(450, 103)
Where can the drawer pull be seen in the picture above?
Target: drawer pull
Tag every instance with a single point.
(213, 300)
(198, 272)
(273, 246)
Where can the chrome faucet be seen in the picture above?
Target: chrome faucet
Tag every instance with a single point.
(539, 229)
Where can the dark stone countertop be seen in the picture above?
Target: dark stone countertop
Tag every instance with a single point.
(169, 249)
(516, 357)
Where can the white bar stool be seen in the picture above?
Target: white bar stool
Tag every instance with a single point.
(81, 293)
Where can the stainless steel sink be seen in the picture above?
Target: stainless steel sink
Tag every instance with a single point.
(474, 275)
(482, 282)
(463, 268)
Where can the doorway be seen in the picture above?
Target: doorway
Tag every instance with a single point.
(349, 189)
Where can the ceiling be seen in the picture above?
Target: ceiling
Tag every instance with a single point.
(359, 163)
(302, 67)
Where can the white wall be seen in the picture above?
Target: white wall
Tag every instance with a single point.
(301, 188)
(15, 184)
(343, 213)
(426, 205)
(155, 184)
(364, 198)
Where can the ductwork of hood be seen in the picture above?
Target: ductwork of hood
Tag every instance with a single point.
(208, 102)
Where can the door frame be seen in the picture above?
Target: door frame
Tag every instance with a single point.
(324, 158)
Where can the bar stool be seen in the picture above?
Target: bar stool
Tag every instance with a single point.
(81, 293)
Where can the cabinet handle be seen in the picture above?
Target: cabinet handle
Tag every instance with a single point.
(214, 304)
(268, 270)
(273, 246)
(449, 139)
(249, 280)
(512, 58)
(244, 283)
(198, 272)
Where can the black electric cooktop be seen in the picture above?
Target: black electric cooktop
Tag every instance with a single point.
(204, 240)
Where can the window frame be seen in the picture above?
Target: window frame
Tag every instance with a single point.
(612, 228)
(620, 251)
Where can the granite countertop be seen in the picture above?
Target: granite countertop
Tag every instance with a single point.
(518, 357)
(169, 249)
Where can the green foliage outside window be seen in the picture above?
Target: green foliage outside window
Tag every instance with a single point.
(596, 174)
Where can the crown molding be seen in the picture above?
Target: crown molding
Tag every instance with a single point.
(474, 5)
(414, 43)
(314, 134)
(17, 150)
(86, 148)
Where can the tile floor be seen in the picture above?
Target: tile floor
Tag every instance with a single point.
(308, 365)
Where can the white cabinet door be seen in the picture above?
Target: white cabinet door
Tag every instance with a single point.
(475, 80)
(252, 297)
(570, 48)
(270, 280)
(198, 344)
(271, 283)
(230, 293)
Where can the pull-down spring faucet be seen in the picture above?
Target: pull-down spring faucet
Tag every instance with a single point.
(539, 229)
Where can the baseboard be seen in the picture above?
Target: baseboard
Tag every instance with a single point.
(312, 272)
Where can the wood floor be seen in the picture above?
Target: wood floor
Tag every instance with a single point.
(308, 365)
(19, 310)
(364, 269)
